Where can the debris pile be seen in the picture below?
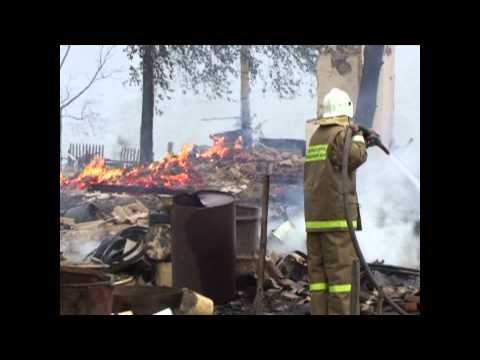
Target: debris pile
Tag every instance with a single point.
(130, 234)
(402, 285)
(287, 291)
(286, 275)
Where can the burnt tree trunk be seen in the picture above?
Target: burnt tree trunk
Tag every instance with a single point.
(146, 130)
(246, 120)
(367, 96)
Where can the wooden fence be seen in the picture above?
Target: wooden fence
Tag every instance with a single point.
(83, 153)
(130, 156)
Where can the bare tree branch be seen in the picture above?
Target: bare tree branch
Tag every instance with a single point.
(66, 116)
(65, 56)
(109, 74)
(62, 101)
(86, 113)
(96, 76)
(86, 122)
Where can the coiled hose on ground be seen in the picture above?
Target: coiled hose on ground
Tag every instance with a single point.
(363, 263)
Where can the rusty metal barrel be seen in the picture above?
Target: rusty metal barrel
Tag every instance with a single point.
(203, 244)
(247, 238)
(85, 290)
(248, 230)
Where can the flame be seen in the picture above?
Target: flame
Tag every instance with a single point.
(96, 168)
(218, 149)
(185, 152)
(171, 171)
(63, 180)
(238, 143)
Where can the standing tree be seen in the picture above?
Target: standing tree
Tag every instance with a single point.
(68, 98)
(280, 66)
(148, 105)
(245, 116)
(211, 68)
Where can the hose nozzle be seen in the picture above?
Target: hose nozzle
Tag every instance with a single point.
(373, 139)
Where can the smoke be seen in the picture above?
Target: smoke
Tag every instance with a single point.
(121, 143)
(390, 208)
(77, 244)
(292, 239)
(389, 199)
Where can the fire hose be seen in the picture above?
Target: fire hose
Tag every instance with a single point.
(348, 214)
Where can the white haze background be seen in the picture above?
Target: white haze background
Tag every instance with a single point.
(390, 204)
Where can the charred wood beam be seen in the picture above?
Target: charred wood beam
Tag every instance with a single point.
(258, 302)
(394, 269)
(137, 189)
(355, 300)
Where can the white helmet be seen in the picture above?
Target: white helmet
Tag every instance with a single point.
(337, 103)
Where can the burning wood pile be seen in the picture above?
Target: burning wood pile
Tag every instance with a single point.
(230, 168)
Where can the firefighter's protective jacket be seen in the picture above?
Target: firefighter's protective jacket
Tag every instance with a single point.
(323, 181)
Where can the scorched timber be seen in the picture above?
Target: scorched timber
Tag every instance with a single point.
(390, 269)
(137, 189)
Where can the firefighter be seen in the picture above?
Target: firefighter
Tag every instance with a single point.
(329, 246)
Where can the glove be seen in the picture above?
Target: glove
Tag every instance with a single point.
(371, 137)
(371, 141)
(355, 129)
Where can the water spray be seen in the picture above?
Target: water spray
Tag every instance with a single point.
(413, 179)
(348, 214)
(373, 139)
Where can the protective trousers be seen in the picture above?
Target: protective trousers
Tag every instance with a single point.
(330, 259)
